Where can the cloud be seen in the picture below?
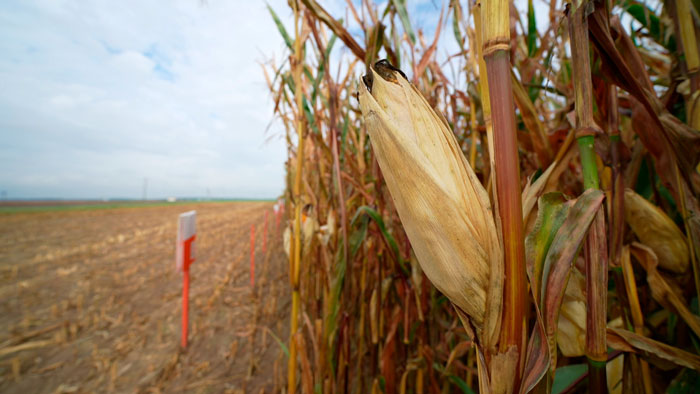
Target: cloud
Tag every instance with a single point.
(98, 96)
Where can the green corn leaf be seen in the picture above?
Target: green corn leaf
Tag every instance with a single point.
(457, 381)
(309, 115)
(284, 347)
(553, 245)
(648, 18)
(531, 29)
(358, 235)
(282, 30)
(388, 238)
(567, 376)
(455, 24)
(403, 15)
(550, 216)
(336, 290)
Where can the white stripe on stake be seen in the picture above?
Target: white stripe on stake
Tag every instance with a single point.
(186, 229)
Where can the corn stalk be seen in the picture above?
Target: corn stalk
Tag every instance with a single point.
(595, 250)
(496, 47)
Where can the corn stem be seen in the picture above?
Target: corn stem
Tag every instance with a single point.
(296, 237)
(496, 35)
(688, 39)
(595, 249)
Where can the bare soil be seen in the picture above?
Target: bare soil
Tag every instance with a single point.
(90, 301)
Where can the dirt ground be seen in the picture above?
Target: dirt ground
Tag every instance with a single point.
(90, 301)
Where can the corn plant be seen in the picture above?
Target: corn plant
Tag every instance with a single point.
(518, 216)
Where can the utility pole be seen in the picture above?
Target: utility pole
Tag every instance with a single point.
(144, 196)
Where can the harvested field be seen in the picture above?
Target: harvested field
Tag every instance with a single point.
(91, 301)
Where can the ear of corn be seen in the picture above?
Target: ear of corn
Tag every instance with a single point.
(442, 205)
(655, 229)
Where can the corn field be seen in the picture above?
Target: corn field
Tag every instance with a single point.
(520, 215)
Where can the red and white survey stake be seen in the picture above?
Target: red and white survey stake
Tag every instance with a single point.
(186, 232)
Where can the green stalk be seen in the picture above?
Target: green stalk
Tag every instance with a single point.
(595, 249)
(588, 161)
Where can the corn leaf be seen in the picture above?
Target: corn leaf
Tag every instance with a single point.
(358, 235)
(556, 256)
(552, 211)
(320, 72)
(647, 17)
(561, 254)
(281, 344)
(650, 349)
(336, 26)
(628, 72)
(388, 238)
(567, 377)
(688, 382)
(456, 17)
(282, 30)
(461, 384)
(403, 16)
(531, 29)
(334, 304)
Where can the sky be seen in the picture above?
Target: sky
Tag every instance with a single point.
(98, 98)
(104, 99)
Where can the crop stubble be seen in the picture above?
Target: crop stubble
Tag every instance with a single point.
(90, 301)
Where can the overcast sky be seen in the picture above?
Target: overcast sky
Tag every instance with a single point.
(97, 96)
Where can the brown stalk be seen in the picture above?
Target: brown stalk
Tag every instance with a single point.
(686, 29)
(332, 125)
(496, 48)
(296, 244)
(617, 206)
(595, 249)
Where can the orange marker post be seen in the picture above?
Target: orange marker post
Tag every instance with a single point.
(252, 255)
(264, 245)
(186, 234)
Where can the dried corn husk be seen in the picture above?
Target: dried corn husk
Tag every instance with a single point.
(309, 227)
(442, 205)
(571, 326)
(656, 230)
(614, 369)
(326, 232)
